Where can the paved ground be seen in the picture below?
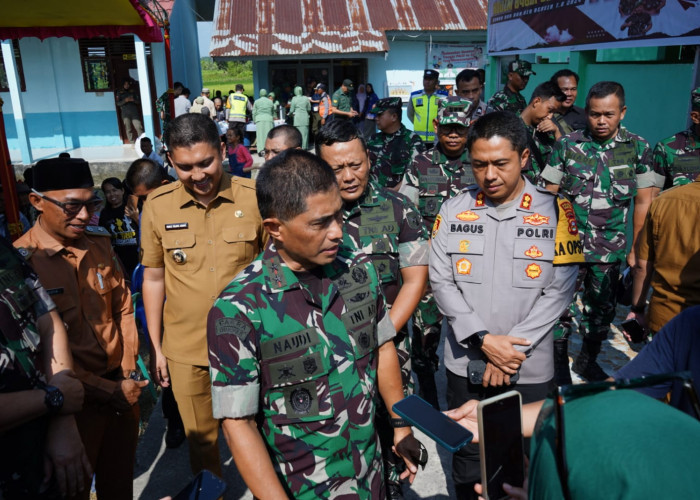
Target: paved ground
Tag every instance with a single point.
(160, 471)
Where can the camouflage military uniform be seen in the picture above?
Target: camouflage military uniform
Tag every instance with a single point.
(389, 229)
(299, 351)
(600, 180)
(431, 179)
(677, 158)
(22, 302)
(391, 154)
(506, 100)
(540, 145)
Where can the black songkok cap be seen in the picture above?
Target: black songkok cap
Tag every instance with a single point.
(61, 173)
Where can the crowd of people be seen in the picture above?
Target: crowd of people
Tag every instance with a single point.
(293, 310)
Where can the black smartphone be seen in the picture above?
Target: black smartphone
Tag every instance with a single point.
(501, 444)
(634, 330)
(205, 486)
(435, 424)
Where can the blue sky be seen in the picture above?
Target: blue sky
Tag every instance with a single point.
(204, 31)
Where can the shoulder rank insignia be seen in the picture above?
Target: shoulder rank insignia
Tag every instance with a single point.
(535, 219)
(526, 202)
(480, 199)
(97, 231)
(467, 215)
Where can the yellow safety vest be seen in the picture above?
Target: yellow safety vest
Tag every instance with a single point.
(238, 103)
(425, 109)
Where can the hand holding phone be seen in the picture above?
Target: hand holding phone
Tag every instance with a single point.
(634, 330)
(435, 424)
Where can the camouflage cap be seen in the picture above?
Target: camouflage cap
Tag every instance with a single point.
(386, 103)
(455, 110)
(523, 68)
(695, 98)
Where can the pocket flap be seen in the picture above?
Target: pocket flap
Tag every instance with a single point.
(464, 243)
(179, 240)
(243, 233)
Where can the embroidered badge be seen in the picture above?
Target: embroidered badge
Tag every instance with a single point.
(533, 271)
(436, 226)
(310, 366)
(480, 199)
(467, 215)
(570, 216)
(464, 266)
(526, 201)
(535, 219)
(533, 252)
(300, 400)
(464, 246)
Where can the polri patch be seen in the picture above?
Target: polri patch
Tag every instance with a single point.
(177, 225)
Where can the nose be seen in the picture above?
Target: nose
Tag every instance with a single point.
(84, 214)
(335, 230)
(346, 175)
(490, 173)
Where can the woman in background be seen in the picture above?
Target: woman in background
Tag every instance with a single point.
(122, 223)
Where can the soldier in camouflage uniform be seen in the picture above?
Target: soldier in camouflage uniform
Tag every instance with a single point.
(388, 228)
(298, 342)
(432, 178)
(510, 98)
(600, 169)
(677, 159)
(37, 417)
(393, 148)
(542, 132)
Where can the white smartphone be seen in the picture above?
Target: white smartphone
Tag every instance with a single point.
(501, 444)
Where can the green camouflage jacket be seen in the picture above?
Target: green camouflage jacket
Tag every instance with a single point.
(506, 100)
(22, 301)
(432, 178)
(540, 145)
(299, 351)
(677, 159)
(391, 154)
(601, 180)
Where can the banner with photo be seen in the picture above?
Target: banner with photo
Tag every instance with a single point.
(444, 57)
(526, 26)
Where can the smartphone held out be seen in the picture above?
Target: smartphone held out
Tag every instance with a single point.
(433, 423)
(501, 444)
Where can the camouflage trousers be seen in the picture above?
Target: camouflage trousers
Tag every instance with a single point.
(393, 465)
(597, 286)
(427, 323)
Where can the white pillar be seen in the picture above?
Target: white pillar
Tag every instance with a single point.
(8, 56)
(144, 87)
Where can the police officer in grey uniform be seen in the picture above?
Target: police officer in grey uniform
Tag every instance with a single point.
(502, 267)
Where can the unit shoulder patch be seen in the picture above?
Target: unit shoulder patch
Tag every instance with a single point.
(568, 248)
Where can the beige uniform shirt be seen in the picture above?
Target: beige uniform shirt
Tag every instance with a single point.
(86, 282)
(201, 249)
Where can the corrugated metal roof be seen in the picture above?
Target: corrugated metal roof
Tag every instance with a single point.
(245, 28)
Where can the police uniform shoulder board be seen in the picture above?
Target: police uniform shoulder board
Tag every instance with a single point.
(97, 231)
(568, 248)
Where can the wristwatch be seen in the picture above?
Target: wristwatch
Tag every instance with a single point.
(476, 340)
(53, 398)
(399, 422)
(638, 309)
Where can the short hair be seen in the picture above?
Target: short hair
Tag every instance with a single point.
(467, 75)
(603, 89)
(146, 139)
(64, 155)
(287, 180)
(504, 124)
(189, 129)
(292, 136)
(112, 181)
(398, 112)
(239, 86)
(563, 73)
(546, 91)
(144, 172)
(185, 91)
(337, 131)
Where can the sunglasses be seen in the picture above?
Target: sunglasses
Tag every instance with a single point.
(565, 394)
(73, 208)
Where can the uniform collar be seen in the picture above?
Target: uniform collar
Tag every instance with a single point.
(184, 196)
(277, 274)
(622, 135)
(369, 198)
(440, 158)
(483, 203)
(399, 132)
(52, 246)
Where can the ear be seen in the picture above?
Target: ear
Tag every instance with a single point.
(36, 201)
(435, 124)
(695, 116)
(524, 157)
(272, 226)
(223, 151)
(623, 111)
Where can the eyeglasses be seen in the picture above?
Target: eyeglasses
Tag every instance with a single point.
(453, 129)
(568, 393)
(73, 208)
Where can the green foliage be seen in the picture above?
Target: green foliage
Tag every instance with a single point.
(224, 75)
